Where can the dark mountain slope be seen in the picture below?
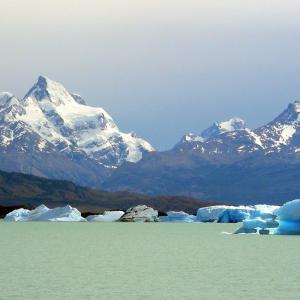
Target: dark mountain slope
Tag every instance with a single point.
(20, 189)
(270, 180)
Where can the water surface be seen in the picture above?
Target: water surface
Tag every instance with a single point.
(145, 261)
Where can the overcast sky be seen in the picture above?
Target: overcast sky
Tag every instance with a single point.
(161, 68)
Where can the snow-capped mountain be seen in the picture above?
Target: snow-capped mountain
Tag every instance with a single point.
(51, 119)
(52, 132)
(282, 134)
(223, 141)
(216, 129)
(227, 162)
(233, 140)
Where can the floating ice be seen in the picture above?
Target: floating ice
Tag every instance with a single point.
(235, 215)
(108, 216)
(43, 213)
(266, 209)
(178, 216)
(140, 213)
(257, 224)
(289, 218)
(274, 220)
(224, 213)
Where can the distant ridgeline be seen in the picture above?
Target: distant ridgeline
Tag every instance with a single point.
(53, 133)
(20, 190)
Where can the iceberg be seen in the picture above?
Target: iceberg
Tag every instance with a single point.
(274, 220)
(289, 218)
(140, 213)
(224, 213)
(178, 216)
(43, 213)
(256, 225)
(236, 215)
(108, 216)
(265, 209)
(211, 213)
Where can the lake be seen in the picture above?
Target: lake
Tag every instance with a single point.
(145, 261)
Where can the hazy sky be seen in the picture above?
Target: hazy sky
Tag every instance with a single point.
(161, 68)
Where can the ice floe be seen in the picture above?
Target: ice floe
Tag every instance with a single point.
(108, 216)
(178, 216)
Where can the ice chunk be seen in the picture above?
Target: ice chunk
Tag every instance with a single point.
(267, 209)
(108, 216)
(235, 215)
(252, 225)
(289, 218)
(140, 213)
(43, 213)
(213, 213)
(178, 216)
(17, 215)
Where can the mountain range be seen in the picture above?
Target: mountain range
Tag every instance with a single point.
(53, 133)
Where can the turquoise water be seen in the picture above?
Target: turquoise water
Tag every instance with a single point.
(145, 261)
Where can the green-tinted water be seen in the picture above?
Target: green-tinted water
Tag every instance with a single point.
(145, 261)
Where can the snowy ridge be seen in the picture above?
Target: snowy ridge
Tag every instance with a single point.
(61, 121)
(216, 129)
(233, 138)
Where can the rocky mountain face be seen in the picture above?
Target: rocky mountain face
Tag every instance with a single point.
(53, 133)
(227, 162)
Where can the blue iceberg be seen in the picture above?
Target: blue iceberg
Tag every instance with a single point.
(178, 216)
(215, 213)
(258, 225)
(233, 215)
(283, 220)
(289, 218)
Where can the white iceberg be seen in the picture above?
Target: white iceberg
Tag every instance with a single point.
(43, 213)
(178, 216)
(266, 209)
(235, 214)
(108, 216)
(214, 213)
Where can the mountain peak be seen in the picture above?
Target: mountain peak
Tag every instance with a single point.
(47, 89)
(295, 106)
(289, 115)
(216, 129)
(42, 80)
